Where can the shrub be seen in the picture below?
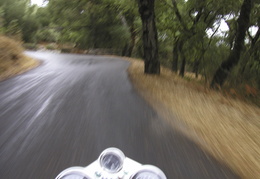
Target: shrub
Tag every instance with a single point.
(50, 47)
(66, 50)
(30, 46)
(47, 35)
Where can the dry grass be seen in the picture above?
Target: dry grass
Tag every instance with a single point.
(227, 128)
(12, 59)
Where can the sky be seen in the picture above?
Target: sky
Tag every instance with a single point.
(38, 2)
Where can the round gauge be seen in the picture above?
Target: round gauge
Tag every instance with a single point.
(148, 172)
(111, 160)
(146, 175)
(74, 176)
(73, 173)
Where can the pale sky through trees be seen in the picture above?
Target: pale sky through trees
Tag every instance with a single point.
(38, 2)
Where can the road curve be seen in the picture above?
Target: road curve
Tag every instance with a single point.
(72, 107)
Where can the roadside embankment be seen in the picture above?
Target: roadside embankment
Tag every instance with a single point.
(12, 59)
(226, 128)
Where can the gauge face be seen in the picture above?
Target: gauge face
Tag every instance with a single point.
(74, 176)
(148, 172)
(73, 173)
(111, 162)
(146, 175)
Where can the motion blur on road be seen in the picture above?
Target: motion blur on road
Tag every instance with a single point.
(72, 107)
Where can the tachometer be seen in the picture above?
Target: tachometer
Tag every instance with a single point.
(148, 172)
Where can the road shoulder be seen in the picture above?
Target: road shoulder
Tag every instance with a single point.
(226, 128)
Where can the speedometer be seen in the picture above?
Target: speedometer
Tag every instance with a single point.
(73, 173)
(112, 160)
(74, 176)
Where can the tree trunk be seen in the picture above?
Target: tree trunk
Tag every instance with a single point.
(150, 39)
(195, 69)
(175, 55)
(183, 63)
(124, 51)
(234, 56)
(182, 57)
(197, 62)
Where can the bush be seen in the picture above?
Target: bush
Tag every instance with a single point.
(51, 47)
(47, 35)
(66, 50)
(10, 52)
(30, 46)
(14, 30)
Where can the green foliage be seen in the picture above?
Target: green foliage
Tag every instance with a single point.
(1, 20)
(13, 30)
(43, 17)
(14, 10)
(50, 47)
(29, 28)
(90, 24)
(248, 70)
(213, 57)
(19, 17)
(47, 35)
(30, 46)
(186, 24)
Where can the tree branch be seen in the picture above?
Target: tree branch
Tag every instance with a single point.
(178, 14)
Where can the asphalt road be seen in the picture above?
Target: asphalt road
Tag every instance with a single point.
(72, 107)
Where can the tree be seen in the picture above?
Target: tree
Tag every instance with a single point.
(190, 19)
(30, 24)
(19, 17)
(89, 24)
(233, 59)
(150, 37)
(13, 30)
(128, 13)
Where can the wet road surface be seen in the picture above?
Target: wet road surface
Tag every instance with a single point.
(67, 111)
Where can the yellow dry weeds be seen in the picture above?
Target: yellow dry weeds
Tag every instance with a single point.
(11, 69)
(228, 129)
(12, 60)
